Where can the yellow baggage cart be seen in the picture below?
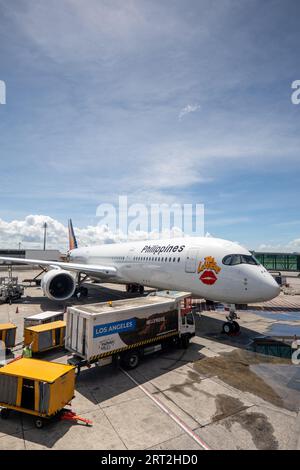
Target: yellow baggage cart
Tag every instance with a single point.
(8, 334)
(45, 337)
(36, 387)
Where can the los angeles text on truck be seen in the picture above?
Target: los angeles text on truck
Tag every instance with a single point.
(126, 330)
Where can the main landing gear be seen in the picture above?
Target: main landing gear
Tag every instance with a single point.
(231, 326)
(134, 288)
(81, 291)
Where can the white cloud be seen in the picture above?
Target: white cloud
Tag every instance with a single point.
(290, 247)
(30, 232)
(190, 108)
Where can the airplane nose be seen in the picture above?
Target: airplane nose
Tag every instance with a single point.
(270, 288)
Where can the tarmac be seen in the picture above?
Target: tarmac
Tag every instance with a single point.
(217, 394)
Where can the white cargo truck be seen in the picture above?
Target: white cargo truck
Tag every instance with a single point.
(43, 317)
(125, 330)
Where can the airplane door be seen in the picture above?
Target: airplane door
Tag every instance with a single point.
(191, 260)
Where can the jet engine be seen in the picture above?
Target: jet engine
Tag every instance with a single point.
(58, 284)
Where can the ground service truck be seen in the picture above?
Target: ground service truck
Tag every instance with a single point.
(125, 330)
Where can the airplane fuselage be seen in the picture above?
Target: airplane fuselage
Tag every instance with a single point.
(202, 266)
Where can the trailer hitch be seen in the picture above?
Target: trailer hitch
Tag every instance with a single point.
(69, 415)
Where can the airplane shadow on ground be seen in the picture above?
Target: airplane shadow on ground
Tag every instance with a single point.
(211, 328)
(102, 386)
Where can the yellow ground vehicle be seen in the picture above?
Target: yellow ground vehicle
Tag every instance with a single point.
(8, 334)
(35, 387)
(45, 337)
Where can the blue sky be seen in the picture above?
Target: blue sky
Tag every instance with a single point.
(170, 101)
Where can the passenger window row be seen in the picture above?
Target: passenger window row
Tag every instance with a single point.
(159, 259)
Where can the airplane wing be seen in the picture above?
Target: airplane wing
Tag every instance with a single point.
(77, 267)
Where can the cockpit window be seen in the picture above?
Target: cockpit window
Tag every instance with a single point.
(249, 259)
(232, 260)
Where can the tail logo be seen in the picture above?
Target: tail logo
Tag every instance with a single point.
(72, 239)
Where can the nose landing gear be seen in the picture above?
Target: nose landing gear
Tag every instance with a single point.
(231, 326)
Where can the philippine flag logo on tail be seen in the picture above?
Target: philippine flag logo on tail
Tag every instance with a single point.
(72, 239)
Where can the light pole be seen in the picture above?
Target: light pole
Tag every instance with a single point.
(45, 235)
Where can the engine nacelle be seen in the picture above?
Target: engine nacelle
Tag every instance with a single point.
(58, 284)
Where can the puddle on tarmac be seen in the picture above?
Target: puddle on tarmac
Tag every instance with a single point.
(257, 424)
(226, 406)
(255, 373)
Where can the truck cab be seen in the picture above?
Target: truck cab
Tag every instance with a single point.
(187, 325)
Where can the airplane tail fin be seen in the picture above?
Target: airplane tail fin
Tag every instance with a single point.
(72, 239)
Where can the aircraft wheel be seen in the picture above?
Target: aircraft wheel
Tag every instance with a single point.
(236, 327)
(227, 328)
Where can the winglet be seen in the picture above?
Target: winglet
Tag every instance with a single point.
(72, 239)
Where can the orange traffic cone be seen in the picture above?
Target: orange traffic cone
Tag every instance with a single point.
(17, 310)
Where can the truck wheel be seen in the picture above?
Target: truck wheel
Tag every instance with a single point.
(5, 413)
(131, 360)
(39, 423)
(185, 341)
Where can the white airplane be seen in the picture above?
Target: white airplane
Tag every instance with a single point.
(209, 268)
